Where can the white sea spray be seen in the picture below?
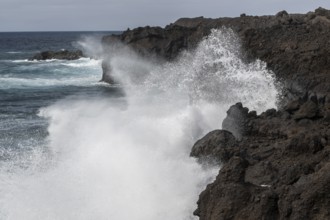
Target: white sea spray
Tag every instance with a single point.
(128, 157)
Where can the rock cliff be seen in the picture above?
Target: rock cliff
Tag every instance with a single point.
(294, 46)
(275, 165)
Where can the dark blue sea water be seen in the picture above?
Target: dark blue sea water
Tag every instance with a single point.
(27, 86)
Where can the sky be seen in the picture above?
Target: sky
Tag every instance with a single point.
(107, 15)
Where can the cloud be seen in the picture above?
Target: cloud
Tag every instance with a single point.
(38, 15)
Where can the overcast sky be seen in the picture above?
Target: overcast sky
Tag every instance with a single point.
(77, 15)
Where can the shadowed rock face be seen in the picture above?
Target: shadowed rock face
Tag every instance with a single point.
(275, 165)
(237, 120)
(216, 146)
(280, 169)
(59, 55)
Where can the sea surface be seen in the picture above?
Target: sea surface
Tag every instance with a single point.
(72, 147)
(27, 86)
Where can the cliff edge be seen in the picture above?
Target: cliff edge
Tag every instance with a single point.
(275, 165)
(294, 46)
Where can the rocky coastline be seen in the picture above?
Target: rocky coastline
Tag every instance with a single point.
(59, 55)
(275, 165)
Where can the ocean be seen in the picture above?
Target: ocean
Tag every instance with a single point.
(27, 86)
(72, 147)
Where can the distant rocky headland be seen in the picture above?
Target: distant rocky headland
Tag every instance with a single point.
(59, 55)
(275, 165)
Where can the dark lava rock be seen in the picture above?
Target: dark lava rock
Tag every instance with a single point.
(294, 46)
(237, 120)
(284, 172)
(307, 110)
(216, 145)
(275, 165)
(60, 55)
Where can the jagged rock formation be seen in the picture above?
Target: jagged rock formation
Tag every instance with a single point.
(275, 165)
(294, 46)
(59, 55)
(279, 169)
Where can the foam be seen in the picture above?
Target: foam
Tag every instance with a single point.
(84, 62)
(14, 52)
(128, 158)
(82, 72)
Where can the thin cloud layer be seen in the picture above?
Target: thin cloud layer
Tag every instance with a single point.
(75, 15)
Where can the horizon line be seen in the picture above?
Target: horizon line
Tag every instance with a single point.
(47, 31)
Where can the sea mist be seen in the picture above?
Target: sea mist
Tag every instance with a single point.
(127, 157)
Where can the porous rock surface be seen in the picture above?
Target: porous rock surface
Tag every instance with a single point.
(275, 165)
(277, 168)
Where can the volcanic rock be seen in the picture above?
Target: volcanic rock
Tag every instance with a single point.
(59, 55)
(275, 165)
(215, 146)
(237, 120)
(284, 172)
(294, 46)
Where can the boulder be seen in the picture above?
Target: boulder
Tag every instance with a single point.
(218, 145)
(308, 110)
(237, 120)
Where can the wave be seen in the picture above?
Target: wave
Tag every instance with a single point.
(14, 52)
(84, 62)
(20, 61)
(128, 158)
(76, 73)
(16, 61)
(214, 72)
(53, 60)
(29, 74)
(33, 61)
(11, 83)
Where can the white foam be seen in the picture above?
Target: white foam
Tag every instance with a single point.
(91, 46)
(14, 52)
(21, 61)
(84, 62)
(35, 61)
(14, 82)
(213, 73)
(82, 72)
(129, 158)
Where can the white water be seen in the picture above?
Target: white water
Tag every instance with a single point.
(128, 158)
(82, 72)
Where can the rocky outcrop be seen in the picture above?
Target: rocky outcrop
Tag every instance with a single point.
(59, 55)
(279, 169)
(275, 165)
(215, 147)
(294, 46)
